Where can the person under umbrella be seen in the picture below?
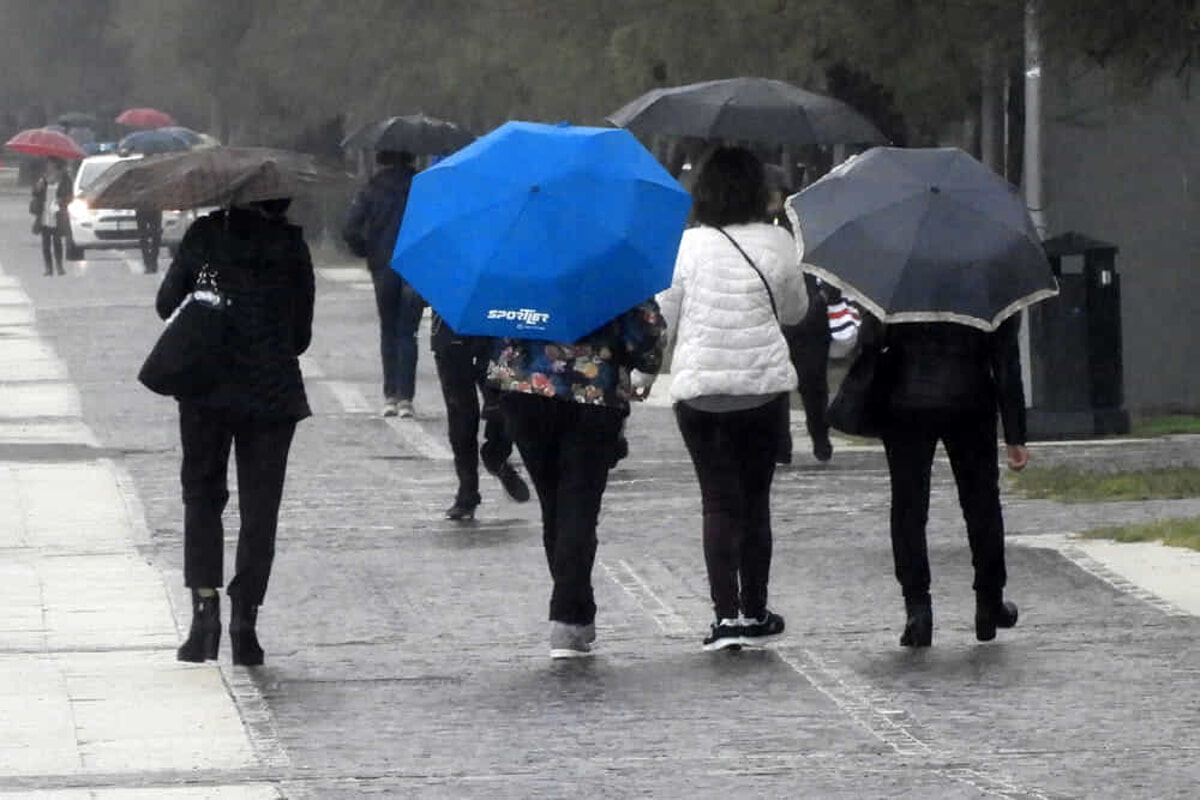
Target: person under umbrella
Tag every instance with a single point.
(262, 265)
(52, 193)
(370, 230)
(942, 251)
(737, 280)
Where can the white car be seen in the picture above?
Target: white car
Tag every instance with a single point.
(112, 228)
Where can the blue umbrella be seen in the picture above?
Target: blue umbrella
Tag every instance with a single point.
(541, 231)
(160, 140)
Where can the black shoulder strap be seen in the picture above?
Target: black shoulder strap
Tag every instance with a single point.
(761, 277)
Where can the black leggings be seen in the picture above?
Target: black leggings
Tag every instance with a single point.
(734, 456)
(52, 241)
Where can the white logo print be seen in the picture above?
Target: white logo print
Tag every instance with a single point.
(526, 318)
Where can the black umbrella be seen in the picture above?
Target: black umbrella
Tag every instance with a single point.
(923, 235)
(415, 133)
(747, 109)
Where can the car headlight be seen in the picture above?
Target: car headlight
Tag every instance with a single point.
(77, 207)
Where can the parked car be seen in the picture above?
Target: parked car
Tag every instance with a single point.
(113, 228)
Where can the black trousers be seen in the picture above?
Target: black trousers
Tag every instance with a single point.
(52, 249)
(461, 369)
(149, 225)
(568, 448)
(970, 441)
(808, 346)
(261, 451)
(734, 456)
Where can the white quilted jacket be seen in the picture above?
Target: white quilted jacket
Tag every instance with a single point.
(718, 314)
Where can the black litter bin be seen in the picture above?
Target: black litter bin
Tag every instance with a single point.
(1077, 376)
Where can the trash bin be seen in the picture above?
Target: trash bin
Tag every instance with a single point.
(1076, 370)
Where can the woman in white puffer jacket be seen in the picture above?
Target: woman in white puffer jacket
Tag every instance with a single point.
(737, 278)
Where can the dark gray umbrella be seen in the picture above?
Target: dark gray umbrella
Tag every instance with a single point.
(414, 133)
(923, 235)
(747, 109)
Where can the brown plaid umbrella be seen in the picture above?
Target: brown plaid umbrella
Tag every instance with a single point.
(215, 176)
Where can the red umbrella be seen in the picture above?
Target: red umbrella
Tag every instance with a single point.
(146, 118)
(43, 142)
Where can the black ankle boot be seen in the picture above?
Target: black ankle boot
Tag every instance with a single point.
(242, 637)
(992, 611)
(204, 638)
(918, 629)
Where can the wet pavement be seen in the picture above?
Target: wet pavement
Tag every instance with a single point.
(407, 655)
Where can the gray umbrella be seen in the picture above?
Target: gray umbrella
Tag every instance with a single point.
(747, 109)
(923, 235)
(418, 134)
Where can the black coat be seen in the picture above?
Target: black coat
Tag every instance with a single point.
(942, 366)
(64, 192)
(264, 268)
(373, 221)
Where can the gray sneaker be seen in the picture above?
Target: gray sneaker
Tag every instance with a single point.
(571, 641)
(404, 408)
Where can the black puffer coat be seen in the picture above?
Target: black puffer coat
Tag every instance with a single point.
(264, 268)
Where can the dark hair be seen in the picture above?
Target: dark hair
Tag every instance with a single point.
(392, 158)
(274, 207)
(730, 189)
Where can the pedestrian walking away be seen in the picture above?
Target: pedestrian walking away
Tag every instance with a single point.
(462, 371)
(52, 193)
(149, 226)
(263, 267)
(943, 381)
(370, 230)
(563, 405)
(737, 279)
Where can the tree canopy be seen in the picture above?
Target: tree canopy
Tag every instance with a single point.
(270, 70)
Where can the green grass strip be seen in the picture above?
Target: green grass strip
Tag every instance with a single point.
(1166, 425)
(1077, 486)
(1174, 532)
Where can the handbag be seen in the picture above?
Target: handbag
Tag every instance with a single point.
(859, 407)
(190, 357)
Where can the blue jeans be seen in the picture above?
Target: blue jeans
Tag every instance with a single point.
(400, 309)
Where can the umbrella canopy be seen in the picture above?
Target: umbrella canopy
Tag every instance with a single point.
(415, 133)
(923, 235)
(747, 109)
(145, 118)
(45, 142)
(541, 232)
(213, 176)
(160, 140)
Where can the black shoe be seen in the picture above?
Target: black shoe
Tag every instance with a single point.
(764, 629)
(725, 634)
(620, 452)
(61, 271)
(918, 629)
(204, 638)
(243, 638)
(992, 613)
(49, 272)
(460, 512)
(822, 448)
(514, 485)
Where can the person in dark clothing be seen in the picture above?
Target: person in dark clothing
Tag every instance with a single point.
(944, 381)
(808, 347)
(462, 371)
(370, 231)
(149, 226)
(52, 193)
(563, 404)
(264, 269)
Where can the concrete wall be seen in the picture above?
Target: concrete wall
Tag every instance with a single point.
(1128, 172)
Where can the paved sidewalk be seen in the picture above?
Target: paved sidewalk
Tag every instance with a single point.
(90, 692)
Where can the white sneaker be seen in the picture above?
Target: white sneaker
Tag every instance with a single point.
(390, 408)
(404, 408)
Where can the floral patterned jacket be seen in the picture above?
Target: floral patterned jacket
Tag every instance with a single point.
(594, 370)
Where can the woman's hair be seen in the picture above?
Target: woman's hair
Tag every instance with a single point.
(730, 189)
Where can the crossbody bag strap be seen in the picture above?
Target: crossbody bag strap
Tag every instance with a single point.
(757, 271)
